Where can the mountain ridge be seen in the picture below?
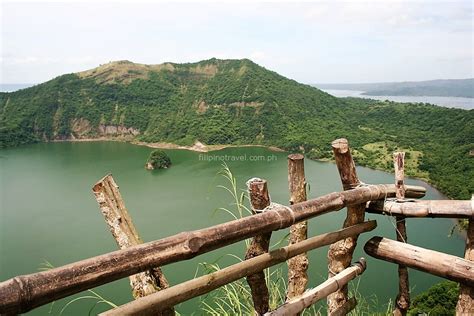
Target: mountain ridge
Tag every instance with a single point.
(238, 102)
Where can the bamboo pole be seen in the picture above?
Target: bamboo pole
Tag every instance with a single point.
(443, 265)
(23, 293)
(402, 302)
(259, 200)
(465, 305)
(423, 208)
(297, 266)
(112, 206)
(308, 298)
(206, 283)
(340, 253)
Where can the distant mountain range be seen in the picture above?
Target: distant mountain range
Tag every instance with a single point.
(442, 88)
(239, 102)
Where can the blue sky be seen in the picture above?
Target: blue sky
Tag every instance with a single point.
(312, 42)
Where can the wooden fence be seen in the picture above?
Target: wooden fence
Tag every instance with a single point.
(154, 296)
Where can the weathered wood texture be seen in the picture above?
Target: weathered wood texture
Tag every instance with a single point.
(174, 295)
(346, 308)
(23, 293)
(399, 166)
(340, 253)
(434, 262)
(259, 200)
(423, 208)
(308, 298)
(402, 302)
(465, 304)
(112, 206)
(297, 266)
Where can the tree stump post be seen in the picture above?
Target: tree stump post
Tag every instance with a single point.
(259, 200)
(346, 308)
(297, 266)
(340, 253)
(402, 302)
(120, 223)
(465, 305)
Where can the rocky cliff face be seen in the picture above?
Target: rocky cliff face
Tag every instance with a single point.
(117, 130)
(82, 128)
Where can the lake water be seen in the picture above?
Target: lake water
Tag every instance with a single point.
(48, 212)
(449, 102)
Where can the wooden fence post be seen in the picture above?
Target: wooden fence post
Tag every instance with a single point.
(120, 223)
(346, 308)
(204, 284)
(465, 304)
(297, 266)
(259, 200)
(402, 302)
(50, 285)
(340, 253)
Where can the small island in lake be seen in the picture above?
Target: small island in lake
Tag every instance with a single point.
(158, 159)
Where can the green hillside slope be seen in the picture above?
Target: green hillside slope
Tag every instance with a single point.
(239, 102)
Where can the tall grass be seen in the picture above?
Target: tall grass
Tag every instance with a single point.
(235, 299)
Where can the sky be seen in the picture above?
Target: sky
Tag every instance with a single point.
(311, 42)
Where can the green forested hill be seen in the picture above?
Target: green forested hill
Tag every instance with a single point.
(239, 102)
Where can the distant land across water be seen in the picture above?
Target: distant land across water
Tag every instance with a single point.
(463, 88)
(449, 102)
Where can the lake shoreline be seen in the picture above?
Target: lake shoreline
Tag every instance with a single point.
(203, 148)
(197, 147)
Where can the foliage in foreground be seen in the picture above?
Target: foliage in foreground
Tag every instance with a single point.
(440, 299)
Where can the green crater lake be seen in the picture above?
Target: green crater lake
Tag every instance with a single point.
(48, 212)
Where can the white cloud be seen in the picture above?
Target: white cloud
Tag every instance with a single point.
(306, 40)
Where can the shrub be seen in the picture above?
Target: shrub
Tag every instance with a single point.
(158, 159)
(440, 299)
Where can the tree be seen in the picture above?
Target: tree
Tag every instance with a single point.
(158, 159)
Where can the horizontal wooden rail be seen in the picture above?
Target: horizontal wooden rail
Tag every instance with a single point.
(434, 262)
(331, 285)
(174, 295)
(423, 208)
(23, 293)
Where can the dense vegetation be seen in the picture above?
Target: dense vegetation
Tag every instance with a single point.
(158, 159)
(440, 299)
(239, 102)
(444, 88)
